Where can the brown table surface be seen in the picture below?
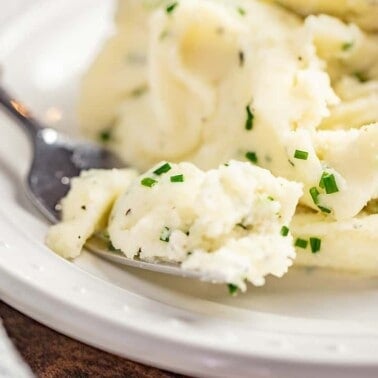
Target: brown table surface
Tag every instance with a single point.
(50, 354)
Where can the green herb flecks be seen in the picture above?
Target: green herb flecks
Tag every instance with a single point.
(170, 8)
(328, 183)
(149, 182)
(314, 192)
(284, 231)
(232, 289)
(301, 243)
(250, 118)
(315, 244)
(105, 135)
(163, 169)
(252, 157)
(177, 178)
(301, 155)
(324, 209)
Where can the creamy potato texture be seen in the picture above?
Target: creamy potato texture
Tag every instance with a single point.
(229, 223)
(86, 208)
(363, 12)
(207, 81)
(212, 80)
(345, 245)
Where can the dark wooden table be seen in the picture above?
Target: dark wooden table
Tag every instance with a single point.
(50, 354)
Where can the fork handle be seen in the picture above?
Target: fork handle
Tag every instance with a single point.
(19, 111)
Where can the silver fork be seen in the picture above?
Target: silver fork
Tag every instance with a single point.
(56, 159)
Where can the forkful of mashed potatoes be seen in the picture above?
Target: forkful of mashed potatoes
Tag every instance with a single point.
(227, 225)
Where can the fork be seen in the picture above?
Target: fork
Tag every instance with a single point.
(57, 158)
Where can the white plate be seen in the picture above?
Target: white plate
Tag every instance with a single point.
(310, 323)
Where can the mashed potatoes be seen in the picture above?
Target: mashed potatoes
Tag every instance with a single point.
(86, 208)
(363, 12)
(211, 80)
(206, 81)
(345, 245)
(228, 223)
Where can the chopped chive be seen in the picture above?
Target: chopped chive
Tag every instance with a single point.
(347, 46)
(250, 118)
(163, 169)
(105, 135)
(170, 8)
(177, 178)
(315, 194)
(301, 243)
(270, 198)
(241, 11)
(165, 234)
(251, 156)
(315, 244)
(284, 231)
(302, 155)
(321, 183)
(324, 209)
(328, 182)
(232, 289)
(149, 182)
(330, 185)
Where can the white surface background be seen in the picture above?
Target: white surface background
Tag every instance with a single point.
(10, 8)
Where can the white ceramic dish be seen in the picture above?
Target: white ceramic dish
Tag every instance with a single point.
(311, 323)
